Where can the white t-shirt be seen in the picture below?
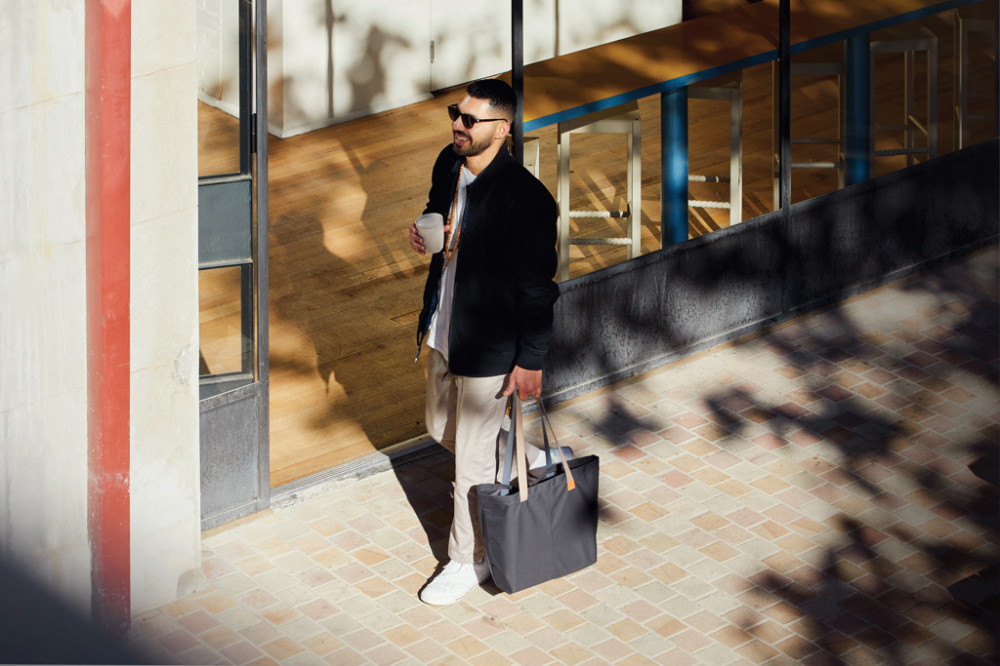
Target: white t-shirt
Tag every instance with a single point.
(437, 336)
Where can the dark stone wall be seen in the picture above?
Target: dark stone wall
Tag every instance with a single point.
(629, 318)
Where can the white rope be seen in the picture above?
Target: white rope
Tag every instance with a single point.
(598, 213)
(817, 165)
(902, 151)
(707, 204)
(707, 179)
(600, 241)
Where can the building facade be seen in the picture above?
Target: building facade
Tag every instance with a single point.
(99, 341)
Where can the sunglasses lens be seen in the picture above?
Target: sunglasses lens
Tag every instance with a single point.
(467, 120)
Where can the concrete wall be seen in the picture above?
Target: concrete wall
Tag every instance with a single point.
(166, 521)
(43, 371)
(333, 60)
(43, 346)
(636, 316)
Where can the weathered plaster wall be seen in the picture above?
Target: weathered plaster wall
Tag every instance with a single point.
(166, 537)
(43, 344)
(43, 371)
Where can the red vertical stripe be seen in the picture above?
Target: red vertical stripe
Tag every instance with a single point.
(108, 99)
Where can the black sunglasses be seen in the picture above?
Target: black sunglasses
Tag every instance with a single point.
(468, 120)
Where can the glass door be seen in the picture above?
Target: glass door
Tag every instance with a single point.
(232, 258)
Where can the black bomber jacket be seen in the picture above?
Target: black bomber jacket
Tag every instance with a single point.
(504, 292)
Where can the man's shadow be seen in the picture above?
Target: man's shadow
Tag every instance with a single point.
(427, 477)
(309, 297)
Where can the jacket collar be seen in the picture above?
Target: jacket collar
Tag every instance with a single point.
(503, 156)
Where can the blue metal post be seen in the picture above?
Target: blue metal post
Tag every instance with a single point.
(674, 175)
(857, 111)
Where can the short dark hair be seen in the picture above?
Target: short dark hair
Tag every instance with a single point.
(500, 95)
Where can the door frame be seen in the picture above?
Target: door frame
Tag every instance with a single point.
(241, 415)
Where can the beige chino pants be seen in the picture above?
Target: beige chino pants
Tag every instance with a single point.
(464, 415)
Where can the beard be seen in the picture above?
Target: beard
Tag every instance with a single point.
(470, 147)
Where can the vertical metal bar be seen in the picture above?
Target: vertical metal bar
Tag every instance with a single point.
(784, 110)
(248, 309)
(246, 85)
(910, 102)
(261, 267)
(959, 84)
(932, 100)
(248, 318)
(841, 117)
(674, 158)
(857, 110)
(736, 153)
(996, 69)
(517, 75)
(562, 197)
(635, 189)
(107, 101)
(776, 134)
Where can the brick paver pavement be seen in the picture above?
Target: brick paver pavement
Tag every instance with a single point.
(824, 493)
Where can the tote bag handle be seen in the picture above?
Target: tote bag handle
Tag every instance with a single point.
(515, 440)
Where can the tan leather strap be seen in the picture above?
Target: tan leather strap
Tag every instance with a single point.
(516, 447)
(546, 428)
(522, 458)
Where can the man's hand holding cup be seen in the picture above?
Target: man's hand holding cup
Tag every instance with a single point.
(427, 233)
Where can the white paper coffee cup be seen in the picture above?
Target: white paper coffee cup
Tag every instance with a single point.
(431, 228)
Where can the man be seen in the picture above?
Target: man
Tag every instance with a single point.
(487, 309)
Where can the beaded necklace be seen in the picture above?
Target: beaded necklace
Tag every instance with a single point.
(449, 249)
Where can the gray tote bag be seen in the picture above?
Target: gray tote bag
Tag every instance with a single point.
(543, 529)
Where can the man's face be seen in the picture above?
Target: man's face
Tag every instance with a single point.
(479, 137)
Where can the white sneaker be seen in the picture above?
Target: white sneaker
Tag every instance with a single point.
(454, 582)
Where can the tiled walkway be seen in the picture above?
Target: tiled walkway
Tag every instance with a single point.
(822, 494)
